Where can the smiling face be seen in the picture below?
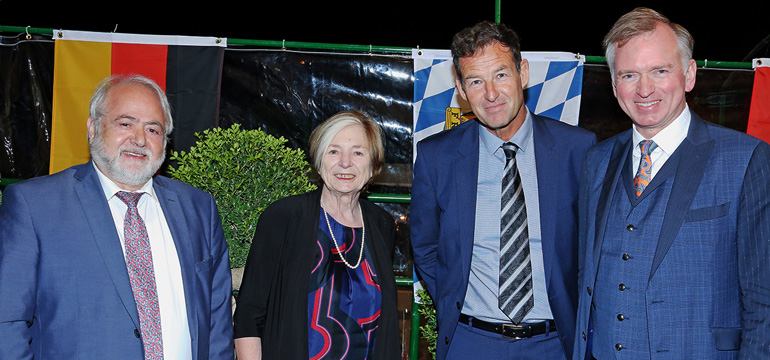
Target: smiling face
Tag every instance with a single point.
(650, 82)
(346, 166)
(494, 88)
(128, 144)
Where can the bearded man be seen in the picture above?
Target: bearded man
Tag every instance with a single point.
(106, 259)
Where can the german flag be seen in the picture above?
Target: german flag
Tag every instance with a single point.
(189, 69)
(759, 115)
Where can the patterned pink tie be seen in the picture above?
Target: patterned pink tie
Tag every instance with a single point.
(644, 174)
(142, 275)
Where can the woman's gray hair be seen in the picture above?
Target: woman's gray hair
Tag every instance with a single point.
(323, 134)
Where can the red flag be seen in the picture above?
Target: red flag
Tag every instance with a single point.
(759, 115)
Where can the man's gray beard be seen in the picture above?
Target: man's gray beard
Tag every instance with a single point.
(111, 166)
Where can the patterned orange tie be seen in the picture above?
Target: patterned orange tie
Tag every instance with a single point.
(142, 276)
(644, 174)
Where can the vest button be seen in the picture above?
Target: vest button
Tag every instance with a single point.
(621, 317)
(626, 257)
(622, 287)
(618, 346)
(630, 227)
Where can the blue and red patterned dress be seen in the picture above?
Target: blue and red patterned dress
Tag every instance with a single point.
(343, 304)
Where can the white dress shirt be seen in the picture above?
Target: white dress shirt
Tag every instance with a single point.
(168, 272)
(483, 283)
(668, 141)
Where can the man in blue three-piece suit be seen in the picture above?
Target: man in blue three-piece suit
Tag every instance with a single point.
(494, 213)
(674, 216)
(106, 261)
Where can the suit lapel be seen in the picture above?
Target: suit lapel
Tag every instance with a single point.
(177, 223)
(99, 218)
(545, 157)
(617, 163)
(465, 178)
(668, 170)
(694, 152)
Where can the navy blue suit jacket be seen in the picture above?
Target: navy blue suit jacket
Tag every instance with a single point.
(708, 293)
(64, 287)
(443, 217)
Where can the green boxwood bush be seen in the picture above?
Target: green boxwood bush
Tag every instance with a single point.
(245, 171)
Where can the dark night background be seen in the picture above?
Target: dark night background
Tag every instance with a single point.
(722, 32)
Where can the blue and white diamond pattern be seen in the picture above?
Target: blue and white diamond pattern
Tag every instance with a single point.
(554, 89)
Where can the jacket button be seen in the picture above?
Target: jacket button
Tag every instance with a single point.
(446, 340)
(589, 290)
(137, 333)
(621, 317)
(630, 227)
(459, 306)
(618, 346)
(626, 257)
(622, 287)
(584, 335)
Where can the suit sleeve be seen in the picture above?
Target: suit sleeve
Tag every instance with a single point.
(754, 255)
(221, 336)
(18, 276)
(424, 222)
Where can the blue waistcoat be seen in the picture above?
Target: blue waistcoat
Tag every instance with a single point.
(620, 302)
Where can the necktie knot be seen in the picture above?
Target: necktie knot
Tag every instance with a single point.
(130, 198)
(647, 147)
(509, 149)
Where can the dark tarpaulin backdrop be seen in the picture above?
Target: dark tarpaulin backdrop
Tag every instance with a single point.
(26, 93)
(287, 93)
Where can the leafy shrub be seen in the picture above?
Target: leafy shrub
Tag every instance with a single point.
(427, 312)
(245, 171)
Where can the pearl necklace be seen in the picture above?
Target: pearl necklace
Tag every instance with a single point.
(363, 237)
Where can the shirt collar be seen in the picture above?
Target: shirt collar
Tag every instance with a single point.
(110, 188)
(493, 143)
(671, 136)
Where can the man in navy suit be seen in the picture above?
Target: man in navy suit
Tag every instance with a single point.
(674, 216)
(457, 210)
(81, 277)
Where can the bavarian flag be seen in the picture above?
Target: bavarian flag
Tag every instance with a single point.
(189, 69)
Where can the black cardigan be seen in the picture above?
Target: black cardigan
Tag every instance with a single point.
(272, 301)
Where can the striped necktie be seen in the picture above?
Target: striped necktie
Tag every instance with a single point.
(142, 276)
(515, 297)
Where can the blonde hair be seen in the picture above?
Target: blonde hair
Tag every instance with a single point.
(640, 21)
